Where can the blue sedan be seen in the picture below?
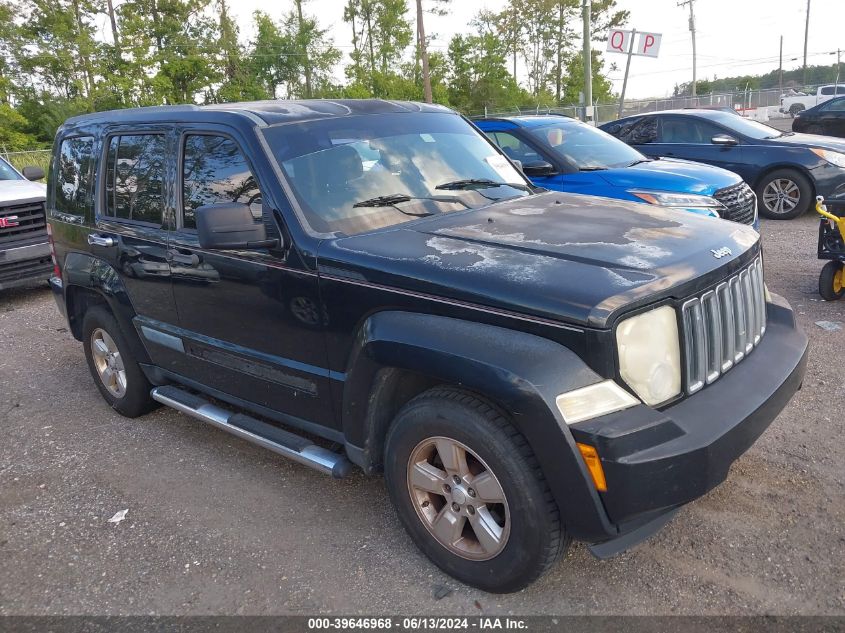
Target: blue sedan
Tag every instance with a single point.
(564, 154)
(787, 170)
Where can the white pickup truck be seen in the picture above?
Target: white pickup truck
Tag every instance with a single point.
(24, 249)
(794, 104)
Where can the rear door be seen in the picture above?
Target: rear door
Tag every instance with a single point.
(251, 322)
(132, 220)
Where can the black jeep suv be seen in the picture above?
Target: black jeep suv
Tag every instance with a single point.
(374, 283)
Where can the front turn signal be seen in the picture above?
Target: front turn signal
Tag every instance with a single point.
(591, 458)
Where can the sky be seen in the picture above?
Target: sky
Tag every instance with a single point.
(733, 37)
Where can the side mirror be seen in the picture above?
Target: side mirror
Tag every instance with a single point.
(33, 173)
(538, 168)
(516, 163)
(230, 225)
(724, 139)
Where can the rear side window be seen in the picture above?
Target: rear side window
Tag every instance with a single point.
(135, 178)
(215, 171)
(636, 132)
(73, 175)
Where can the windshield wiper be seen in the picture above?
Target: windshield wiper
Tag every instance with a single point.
(394, 199)
(640, 161)
(592, 168)
(480, 183)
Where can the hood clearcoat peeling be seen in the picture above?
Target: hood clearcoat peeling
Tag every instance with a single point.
(566, 257)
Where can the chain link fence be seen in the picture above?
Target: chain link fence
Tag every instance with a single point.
(760, 104)
(32, 158)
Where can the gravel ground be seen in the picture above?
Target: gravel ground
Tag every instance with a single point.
(218, 526)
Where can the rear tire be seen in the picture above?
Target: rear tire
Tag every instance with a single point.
(795, 108)
(784, 194)
(443, 445)
(116, 372)
(832, 281)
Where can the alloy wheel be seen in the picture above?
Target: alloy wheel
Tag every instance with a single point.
(458, 498)
(781, 196)
(108, 362)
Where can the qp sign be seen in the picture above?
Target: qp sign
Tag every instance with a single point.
(618, 41)
(648, 44)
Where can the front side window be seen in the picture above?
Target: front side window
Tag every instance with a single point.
(515, 148)
(688, 130)
(357, 173)
(215, 171)
(135, 178)
(73, 175)
(827, 90)
(586, 147)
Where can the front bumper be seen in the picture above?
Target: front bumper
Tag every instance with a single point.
(655, 461)
(20, 265)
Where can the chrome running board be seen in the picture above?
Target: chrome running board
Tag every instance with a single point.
(285, 443)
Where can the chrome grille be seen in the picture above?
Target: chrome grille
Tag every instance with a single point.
(740, 203)
(723, 325)
(27, 219)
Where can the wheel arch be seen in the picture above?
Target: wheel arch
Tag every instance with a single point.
(803, 170)
(398, 355)
(91, 282)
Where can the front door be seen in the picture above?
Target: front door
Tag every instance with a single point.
(689, 138)
(251, 321)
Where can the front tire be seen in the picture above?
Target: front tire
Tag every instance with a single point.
(832, 281)
(470, 492)
(784, 194)
(116, 372)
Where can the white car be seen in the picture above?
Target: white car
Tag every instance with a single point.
(24, 249)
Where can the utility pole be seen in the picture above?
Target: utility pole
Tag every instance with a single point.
(806, 33)
(836, 83)
(426, 74)
(780, 69)
(692, 31)
(588, 58)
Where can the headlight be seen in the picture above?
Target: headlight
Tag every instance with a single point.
(680, 200)
(650, 354)
(837, 158)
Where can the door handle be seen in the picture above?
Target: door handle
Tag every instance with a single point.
(177, 256)
(95, 239)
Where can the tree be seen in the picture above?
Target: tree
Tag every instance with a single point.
(380, 33)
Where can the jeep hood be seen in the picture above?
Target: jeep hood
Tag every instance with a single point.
(673, 175)
(21, 191)
(566, 257)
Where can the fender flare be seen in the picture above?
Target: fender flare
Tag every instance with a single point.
(521, 372)
(97, 276)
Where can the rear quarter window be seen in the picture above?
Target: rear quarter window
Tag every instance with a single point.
(73, 176)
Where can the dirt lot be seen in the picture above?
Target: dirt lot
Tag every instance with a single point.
(217, 526)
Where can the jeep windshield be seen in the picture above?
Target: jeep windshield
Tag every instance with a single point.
(342, 169)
